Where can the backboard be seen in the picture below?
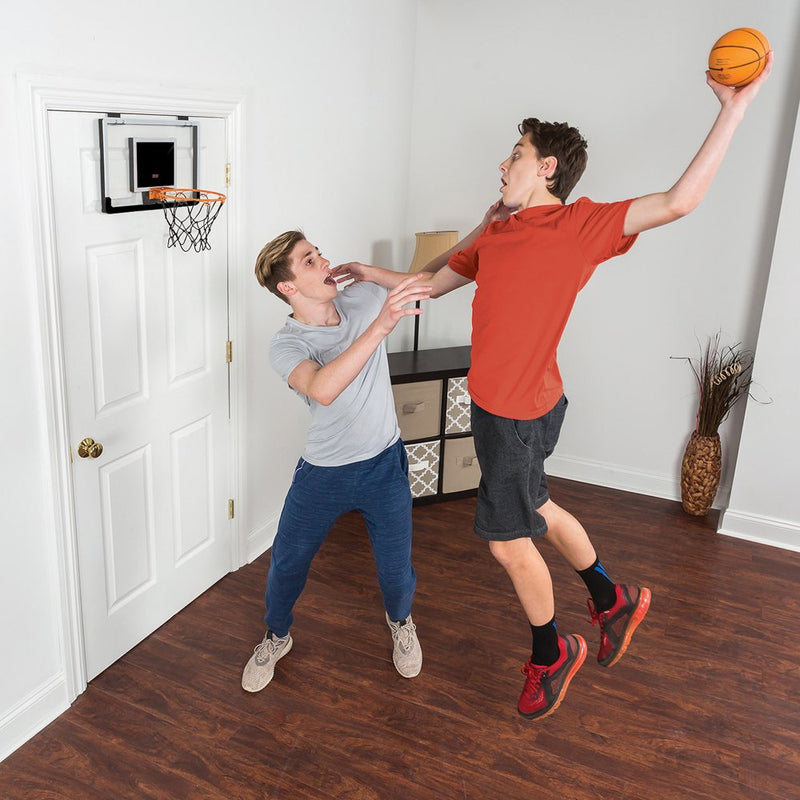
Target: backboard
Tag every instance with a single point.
(139, 152)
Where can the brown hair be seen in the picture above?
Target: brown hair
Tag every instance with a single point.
(272, 264)
(566, 144)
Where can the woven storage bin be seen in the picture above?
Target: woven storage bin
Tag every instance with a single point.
(700, 472)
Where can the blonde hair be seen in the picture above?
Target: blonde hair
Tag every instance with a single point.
(272, 264)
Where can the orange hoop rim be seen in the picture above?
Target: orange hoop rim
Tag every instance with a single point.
(169, 193)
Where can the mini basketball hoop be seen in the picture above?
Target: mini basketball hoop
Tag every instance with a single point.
(190, 213)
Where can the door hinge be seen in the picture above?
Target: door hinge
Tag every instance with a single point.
(227, 175)
(229, 351)
(231, 512)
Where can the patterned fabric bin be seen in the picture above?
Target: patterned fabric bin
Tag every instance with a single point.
(423, 467)
(457, 419)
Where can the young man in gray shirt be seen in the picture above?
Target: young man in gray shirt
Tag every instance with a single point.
(332, 353)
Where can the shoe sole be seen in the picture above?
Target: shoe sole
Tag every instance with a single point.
(580, 658)
(642, 607)
(285, 652)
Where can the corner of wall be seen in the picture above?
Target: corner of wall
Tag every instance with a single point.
(763, 530)
(31, 714)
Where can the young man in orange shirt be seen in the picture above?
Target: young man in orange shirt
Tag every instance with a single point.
(529, 258)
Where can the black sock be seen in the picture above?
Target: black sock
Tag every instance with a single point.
(601, 587)
(545, 644)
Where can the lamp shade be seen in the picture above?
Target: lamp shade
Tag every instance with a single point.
(429, 245)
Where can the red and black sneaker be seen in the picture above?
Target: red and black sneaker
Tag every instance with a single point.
(618, 623)
(545, 687)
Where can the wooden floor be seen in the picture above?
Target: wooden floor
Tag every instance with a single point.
(705, 704)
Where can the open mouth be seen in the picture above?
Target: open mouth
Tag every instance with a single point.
(329, 281)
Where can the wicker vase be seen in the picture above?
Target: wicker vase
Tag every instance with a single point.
(700, 471)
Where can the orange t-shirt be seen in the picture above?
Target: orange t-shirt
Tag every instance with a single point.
(528, 271)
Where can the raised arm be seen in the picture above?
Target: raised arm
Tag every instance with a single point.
(325, 383)
(496, 212)
(653, 210)
(441, 283)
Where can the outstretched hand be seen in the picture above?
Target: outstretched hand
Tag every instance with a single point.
(352, 270)
(395, 306)
(742, 96)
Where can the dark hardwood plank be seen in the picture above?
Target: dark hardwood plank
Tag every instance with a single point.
(704, 705)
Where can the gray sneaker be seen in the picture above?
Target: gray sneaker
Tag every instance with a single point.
(260, 668)
(407, 653)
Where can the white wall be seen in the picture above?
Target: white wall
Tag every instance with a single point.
(630, 75)
(350, 137)
(328, 154)
(765, 503)
(327, 90)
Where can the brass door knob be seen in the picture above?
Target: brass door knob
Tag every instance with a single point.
(89, 448)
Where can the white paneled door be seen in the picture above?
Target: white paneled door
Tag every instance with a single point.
(144, 331)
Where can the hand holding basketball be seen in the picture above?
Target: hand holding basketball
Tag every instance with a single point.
(738, 57)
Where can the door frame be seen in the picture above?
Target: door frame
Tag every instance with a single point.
(36, 97)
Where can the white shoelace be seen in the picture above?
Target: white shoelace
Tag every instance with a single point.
(270, 645)
(404, 635)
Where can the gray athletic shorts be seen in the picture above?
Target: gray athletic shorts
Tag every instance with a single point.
(511, 454)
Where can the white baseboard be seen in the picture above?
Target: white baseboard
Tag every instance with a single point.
(764, 530)
(759, 529)
(33, 713)
(260, 539)
(614, 476)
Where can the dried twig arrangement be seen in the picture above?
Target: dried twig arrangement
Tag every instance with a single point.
(723, 376)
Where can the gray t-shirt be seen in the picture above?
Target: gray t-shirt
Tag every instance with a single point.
(361, 422)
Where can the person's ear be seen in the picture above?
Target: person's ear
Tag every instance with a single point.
(547, 166)
(286, 288)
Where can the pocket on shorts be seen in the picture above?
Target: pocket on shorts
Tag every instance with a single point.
(555, 419)
(544, 429)
(403, 456)
(524, 430)
(301, 471)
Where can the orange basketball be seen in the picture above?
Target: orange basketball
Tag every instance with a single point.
(738, 57)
